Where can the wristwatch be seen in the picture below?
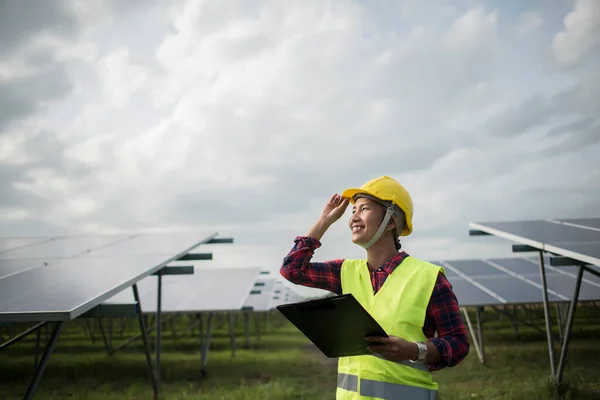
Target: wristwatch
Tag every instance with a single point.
(422, 353)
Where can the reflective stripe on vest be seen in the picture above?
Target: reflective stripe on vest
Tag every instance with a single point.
(348, 382)
(384, 390)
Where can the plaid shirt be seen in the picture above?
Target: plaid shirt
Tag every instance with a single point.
(442, 316)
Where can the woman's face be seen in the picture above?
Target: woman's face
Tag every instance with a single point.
(365, 220)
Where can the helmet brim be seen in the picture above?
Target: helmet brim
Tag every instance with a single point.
(350, 193)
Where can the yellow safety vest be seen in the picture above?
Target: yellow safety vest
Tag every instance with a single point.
(399, 307)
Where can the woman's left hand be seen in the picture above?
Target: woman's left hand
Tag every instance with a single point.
(393, 348)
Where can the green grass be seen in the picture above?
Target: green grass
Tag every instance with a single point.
(282, 365)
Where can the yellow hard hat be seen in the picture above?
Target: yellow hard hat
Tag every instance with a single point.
(387, 189)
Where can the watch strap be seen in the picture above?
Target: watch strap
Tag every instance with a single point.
(422, 355)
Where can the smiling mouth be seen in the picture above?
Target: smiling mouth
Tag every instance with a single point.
(357, 229)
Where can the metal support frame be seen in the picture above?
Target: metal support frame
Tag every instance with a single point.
(547, 313)
(205, 342)
(16, 338)
(569, 327)
(591, 271)
(557, 372)
(135, 337)
(144, 333)
(231, 324)
(477, 338)
(41, 367)
(247, 328)
(158, 326)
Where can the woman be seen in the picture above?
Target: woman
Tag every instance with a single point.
(416, 306)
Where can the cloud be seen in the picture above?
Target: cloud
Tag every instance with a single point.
(246, 119)
(21, 22)
(581, 33)
(23, 95)
(470, 29)
(528, 22)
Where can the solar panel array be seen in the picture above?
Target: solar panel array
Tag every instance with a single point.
(58, 279)
(575, 238)
(481, 282)
(283, 294)
(208, 289)
(259, 298)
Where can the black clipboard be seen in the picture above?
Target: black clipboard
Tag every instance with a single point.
(337, 325)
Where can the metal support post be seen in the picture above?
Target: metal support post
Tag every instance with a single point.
(107, 346)
(205, 345)
(569, 327)
(232, 333)
(144, 333)
(559, 321)
(247, 328)
(158, 325)
(479, 317)
(478, 348)
(257, 321)
(39, 371)
(546, 312)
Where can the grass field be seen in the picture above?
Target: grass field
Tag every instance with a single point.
(283, 365)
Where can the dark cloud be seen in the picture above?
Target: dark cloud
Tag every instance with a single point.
(24, 95)
(20, 21)
(42, 151)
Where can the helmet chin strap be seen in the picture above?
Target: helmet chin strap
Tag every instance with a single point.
(386, 219)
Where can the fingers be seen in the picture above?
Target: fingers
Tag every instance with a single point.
(337, 200)
(378, 339)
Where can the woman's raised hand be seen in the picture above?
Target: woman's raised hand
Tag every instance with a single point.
(334, 209)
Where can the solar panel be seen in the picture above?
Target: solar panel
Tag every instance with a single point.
(514, 281)
(208, 289)
(468, 294)
(588, 222)
(67, 288)
(13, 243)
(61, 247)
(575, 241)
(260, 301)
(11, 267)
(545, 232)
(156, 243)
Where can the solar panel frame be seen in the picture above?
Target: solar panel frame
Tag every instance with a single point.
(583, 222)
(586, 252)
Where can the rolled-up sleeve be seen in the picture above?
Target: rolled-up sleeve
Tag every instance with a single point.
(298, 268)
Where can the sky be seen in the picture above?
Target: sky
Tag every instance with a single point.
(245, 117)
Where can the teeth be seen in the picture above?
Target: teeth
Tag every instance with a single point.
(356, 228)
